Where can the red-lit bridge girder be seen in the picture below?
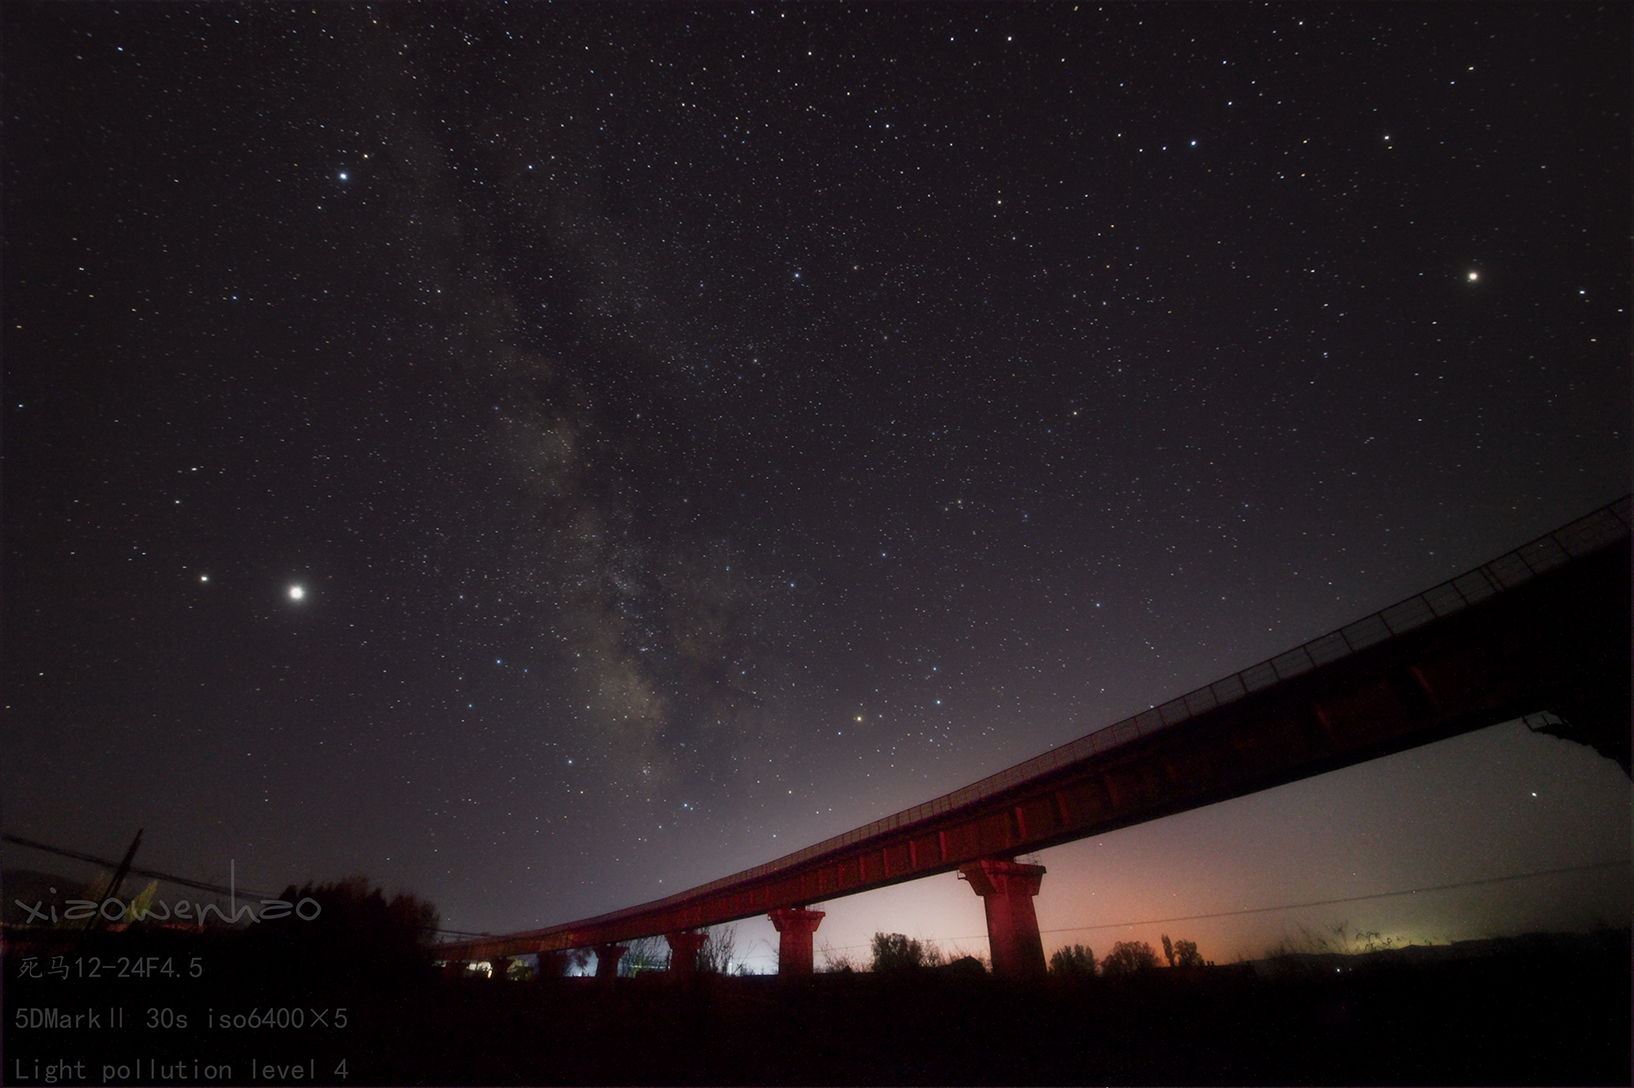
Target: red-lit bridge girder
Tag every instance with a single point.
(1544, 628)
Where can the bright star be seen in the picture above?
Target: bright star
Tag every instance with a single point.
(296, 593)
(1473, 276)
(343, 175)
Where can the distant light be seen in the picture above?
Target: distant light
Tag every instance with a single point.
(343, 175)
(1473, 276)
(296, 593)
(204, 577)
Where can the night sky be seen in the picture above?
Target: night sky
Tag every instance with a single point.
(548, 457)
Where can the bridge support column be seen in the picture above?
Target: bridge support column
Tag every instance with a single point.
(550, 965)
(499, 965)
(607, 957)
(1007, 889)
(794, 926)
(683, 952)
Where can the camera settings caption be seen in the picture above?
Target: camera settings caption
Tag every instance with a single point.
(37, 1024)
(150, 1070)
(113, 1016)
(63, 968)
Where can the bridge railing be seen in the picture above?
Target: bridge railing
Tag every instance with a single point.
(1580, 538)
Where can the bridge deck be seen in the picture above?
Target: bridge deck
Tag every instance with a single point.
(1542, 628)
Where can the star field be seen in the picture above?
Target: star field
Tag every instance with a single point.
(549, 457)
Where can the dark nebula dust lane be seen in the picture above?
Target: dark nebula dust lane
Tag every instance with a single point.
(695, 431)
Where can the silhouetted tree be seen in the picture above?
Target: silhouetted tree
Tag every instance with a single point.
(895, 952)
(839, 961)
(1074, 962)
(719, 954)
(559, 964)
(645, 954)
(1181, 953)
(1128, 957)
(359, 935)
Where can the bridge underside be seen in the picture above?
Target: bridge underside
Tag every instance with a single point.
(1557, 643)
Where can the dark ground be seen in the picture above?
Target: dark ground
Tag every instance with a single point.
(1536, 1011)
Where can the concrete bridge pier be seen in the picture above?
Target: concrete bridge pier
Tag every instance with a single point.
(1007, 889)
(607, 957)
(549, 965)
(794, 926)
(683, 952)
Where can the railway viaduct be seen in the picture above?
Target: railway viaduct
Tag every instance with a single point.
(1540, 633)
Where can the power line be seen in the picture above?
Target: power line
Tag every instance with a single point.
(219, 890)
(168, 878)
(151, 874)
(1297, 906)
(1354, 898)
